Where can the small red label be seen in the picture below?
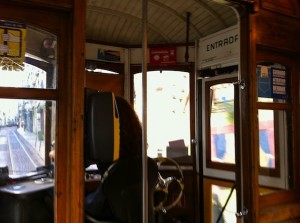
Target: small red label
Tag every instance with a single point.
(162, 56)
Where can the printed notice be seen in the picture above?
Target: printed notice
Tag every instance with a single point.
(279, 83)
(12, 40)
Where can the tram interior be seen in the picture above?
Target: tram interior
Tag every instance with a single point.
(193, 60)
(29, 116)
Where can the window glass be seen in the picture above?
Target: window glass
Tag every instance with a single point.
(29, 77)
(274, 139)
(266, 139)
(222, 123)
(218, 95)
(223, 204)
(24, 127)
(168, 112)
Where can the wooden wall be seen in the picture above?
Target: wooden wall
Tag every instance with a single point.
(274, 28)
(277, 30)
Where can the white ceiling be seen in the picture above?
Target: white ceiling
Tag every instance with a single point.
(119, 22)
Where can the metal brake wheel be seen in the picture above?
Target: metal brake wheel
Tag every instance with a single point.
(164, 183)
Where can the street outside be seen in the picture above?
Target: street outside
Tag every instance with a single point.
(19, 150)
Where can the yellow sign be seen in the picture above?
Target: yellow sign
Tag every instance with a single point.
(12, 41)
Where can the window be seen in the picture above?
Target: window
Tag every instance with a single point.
(223, 203)
(222, 123)
(219, 123)
(168, 112)
(220, 200)
(28, 121)
(274, 124)
(24, 126)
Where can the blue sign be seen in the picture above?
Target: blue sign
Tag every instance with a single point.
(108, 55)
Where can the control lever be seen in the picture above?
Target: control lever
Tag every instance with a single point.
(49, 170)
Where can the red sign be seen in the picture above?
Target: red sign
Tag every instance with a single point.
(162, 56)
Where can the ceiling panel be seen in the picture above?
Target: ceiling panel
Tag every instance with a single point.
(119, 22)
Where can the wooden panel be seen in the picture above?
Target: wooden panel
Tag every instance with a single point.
(74, 203)
(288, 7)
(277, 31)
(104, 82)
(280, 213)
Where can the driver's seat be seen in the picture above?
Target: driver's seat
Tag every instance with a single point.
(121, 184)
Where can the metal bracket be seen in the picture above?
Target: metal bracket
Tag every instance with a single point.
(194, 141)
(242, 213)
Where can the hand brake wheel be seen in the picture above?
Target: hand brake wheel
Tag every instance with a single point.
(164, 183)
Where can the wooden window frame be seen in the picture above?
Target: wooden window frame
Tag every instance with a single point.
(209, 162)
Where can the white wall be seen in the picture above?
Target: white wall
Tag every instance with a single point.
(135, 54)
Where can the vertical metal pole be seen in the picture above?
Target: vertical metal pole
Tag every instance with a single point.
(238, 154)
(144, 82)
(127, 74)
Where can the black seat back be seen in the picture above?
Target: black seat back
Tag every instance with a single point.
(102, 139)
(119, 197)
(123, 186)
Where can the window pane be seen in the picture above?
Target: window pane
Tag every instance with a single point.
(222, 123)
(222, 196)
(274, 140)
(27, 128)
(30, 77)
(266, 138)
(168, 112)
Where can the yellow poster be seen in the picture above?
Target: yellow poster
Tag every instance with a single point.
(12, 41)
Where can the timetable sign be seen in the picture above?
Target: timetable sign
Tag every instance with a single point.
(279, 83)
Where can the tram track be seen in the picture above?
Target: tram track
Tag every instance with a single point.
(21, 158)
(21, 150)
